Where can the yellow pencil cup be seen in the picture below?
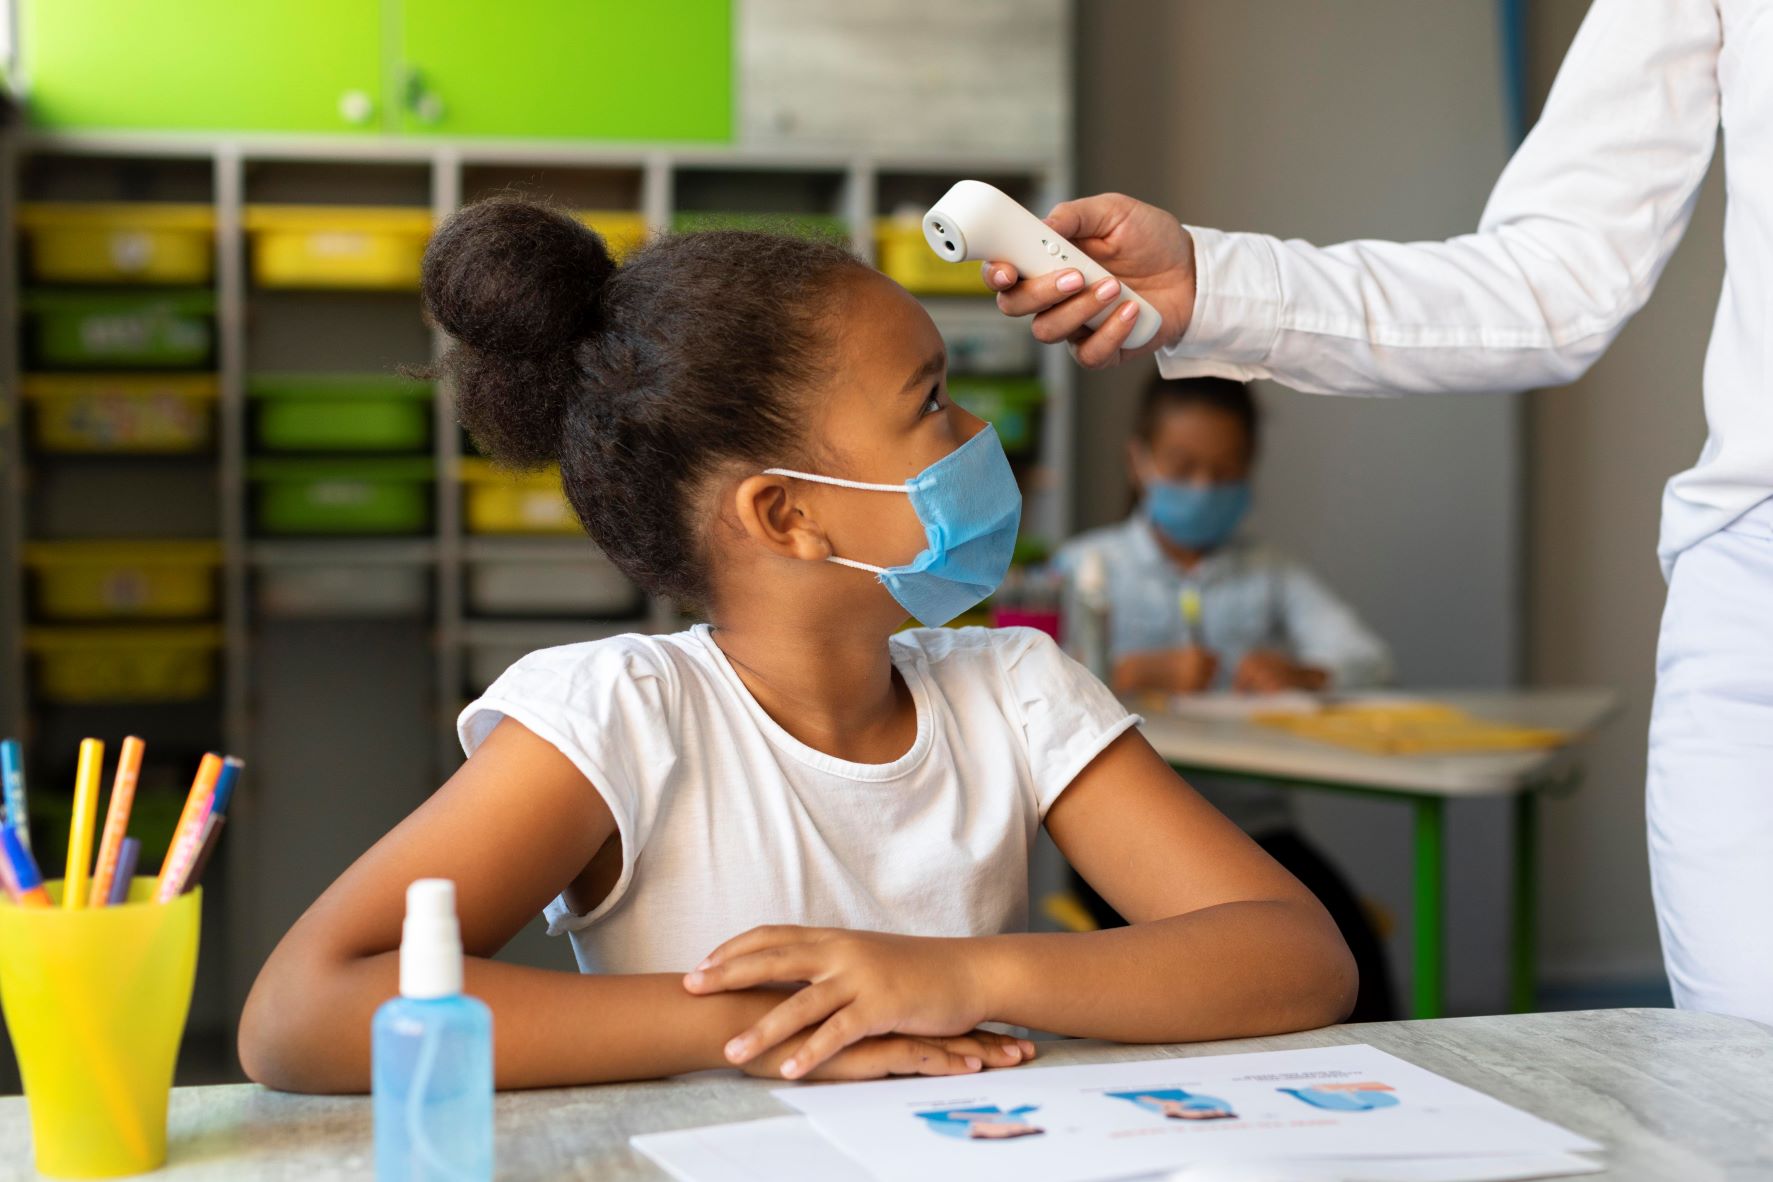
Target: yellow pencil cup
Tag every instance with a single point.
(95, 1001)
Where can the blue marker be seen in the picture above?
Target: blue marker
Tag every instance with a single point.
(224, 786)
(12, 789)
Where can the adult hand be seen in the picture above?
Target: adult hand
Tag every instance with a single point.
(1263, 671)
(858, 985)
(897, 1054)
(1135, 242)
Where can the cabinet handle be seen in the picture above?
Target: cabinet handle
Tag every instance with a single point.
(425, 104)
(356, 107)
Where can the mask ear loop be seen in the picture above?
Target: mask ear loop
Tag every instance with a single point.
(861, 485)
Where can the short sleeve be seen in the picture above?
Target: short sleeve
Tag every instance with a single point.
(1068, 717)
(606, 706)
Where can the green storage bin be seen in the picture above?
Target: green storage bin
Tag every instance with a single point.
(120, 329)
(341, 412)
(350, 497)
(1012, 405)
(821, 227)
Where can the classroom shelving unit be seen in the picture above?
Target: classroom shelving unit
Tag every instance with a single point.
(301, 699)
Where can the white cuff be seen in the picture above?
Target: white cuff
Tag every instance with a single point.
(1237, 305)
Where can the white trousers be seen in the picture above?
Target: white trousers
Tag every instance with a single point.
(1710, 792)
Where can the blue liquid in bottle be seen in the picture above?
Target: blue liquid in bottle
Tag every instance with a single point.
(431, 1056)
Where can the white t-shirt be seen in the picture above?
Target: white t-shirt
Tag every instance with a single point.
(728, 822)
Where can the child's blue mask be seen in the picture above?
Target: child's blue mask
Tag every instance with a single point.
(1193, 515)
(970, 508)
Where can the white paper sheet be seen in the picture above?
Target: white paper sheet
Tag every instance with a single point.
(790, 1149)
(1065, 1124)
(775, 1149)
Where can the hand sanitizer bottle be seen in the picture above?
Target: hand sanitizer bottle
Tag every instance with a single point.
(1086, 617)
(431, 1055)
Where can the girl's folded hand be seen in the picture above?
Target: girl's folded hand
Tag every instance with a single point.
(899, 1054)
(857, 985)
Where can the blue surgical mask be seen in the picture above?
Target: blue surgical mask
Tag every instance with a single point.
(1197, 516)
(970, 508)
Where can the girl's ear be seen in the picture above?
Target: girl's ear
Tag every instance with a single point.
(773, 515)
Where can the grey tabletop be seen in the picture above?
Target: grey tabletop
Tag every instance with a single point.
(1239, 746)
(1674, 1097)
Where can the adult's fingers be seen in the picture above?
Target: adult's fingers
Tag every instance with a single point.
(802, 1009)
(1038, 293)
(1088, 217)
(1101, 347)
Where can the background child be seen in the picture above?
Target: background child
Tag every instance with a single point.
(1194, 606)
(794, 839)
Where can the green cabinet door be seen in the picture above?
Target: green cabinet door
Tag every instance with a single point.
(204, 65)
(598, 69)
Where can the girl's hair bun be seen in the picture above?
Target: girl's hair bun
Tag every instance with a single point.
(519, 286)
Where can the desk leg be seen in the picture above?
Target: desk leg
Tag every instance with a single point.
(1522, 967)
(1426, 999)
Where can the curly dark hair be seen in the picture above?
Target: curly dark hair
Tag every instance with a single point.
(641, 380)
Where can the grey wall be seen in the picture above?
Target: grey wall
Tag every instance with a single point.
(1367, 118)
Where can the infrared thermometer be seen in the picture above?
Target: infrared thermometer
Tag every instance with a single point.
(975, 221)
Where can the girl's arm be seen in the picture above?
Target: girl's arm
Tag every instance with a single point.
(1223, 942)
(512, 827)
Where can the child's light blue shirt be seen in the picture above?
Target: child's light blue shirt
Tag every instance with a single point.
(1251, 597)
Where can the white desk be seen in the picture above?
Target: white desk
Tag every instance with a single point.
(1673, 1097)
(1239, 748)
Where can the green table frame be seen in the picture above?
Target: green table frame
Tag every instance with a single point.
(1428, 912)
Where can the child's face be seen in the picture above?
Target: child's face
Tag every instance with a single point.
(884, 418)
(1193, 445)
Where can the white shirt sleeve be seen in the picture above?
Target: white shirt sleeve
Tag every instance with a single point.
(1570, 245)
(606, 706)
(1068, 717)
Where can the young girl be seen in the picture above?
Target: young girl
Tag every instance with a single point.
(794, 839)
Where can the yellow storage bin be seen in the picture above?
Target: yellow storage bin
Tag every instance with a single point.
(906, 259)
(124, 580)
(333, 246)
(103, 413)
(93, 242)
(620, 230)
(504, 502)
(90, 665)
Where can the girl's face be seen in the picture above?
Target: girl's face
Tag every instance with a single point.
(884, 419)
(1195, 444)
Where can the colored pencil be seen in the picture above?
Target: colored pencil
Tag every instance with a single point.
(12, 786)
(129, 768)
(24, 868)
(127, 857)
(76, 882)
(212, 835)
(187, 835)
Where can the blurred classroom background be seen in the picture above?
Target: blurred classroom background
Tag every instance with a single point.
(229, 521)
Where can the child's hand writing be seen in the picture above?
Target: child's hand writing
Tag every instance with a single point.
(898, 1054)
(858, 985)
(1168, 671)
(1263, 671)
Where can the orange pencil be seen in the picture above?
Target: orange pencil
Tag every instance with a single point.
(86, 794)
(189, 832)
(129, 768)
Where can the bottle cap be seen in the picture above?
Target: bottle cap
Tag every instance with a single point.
(431, 941)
